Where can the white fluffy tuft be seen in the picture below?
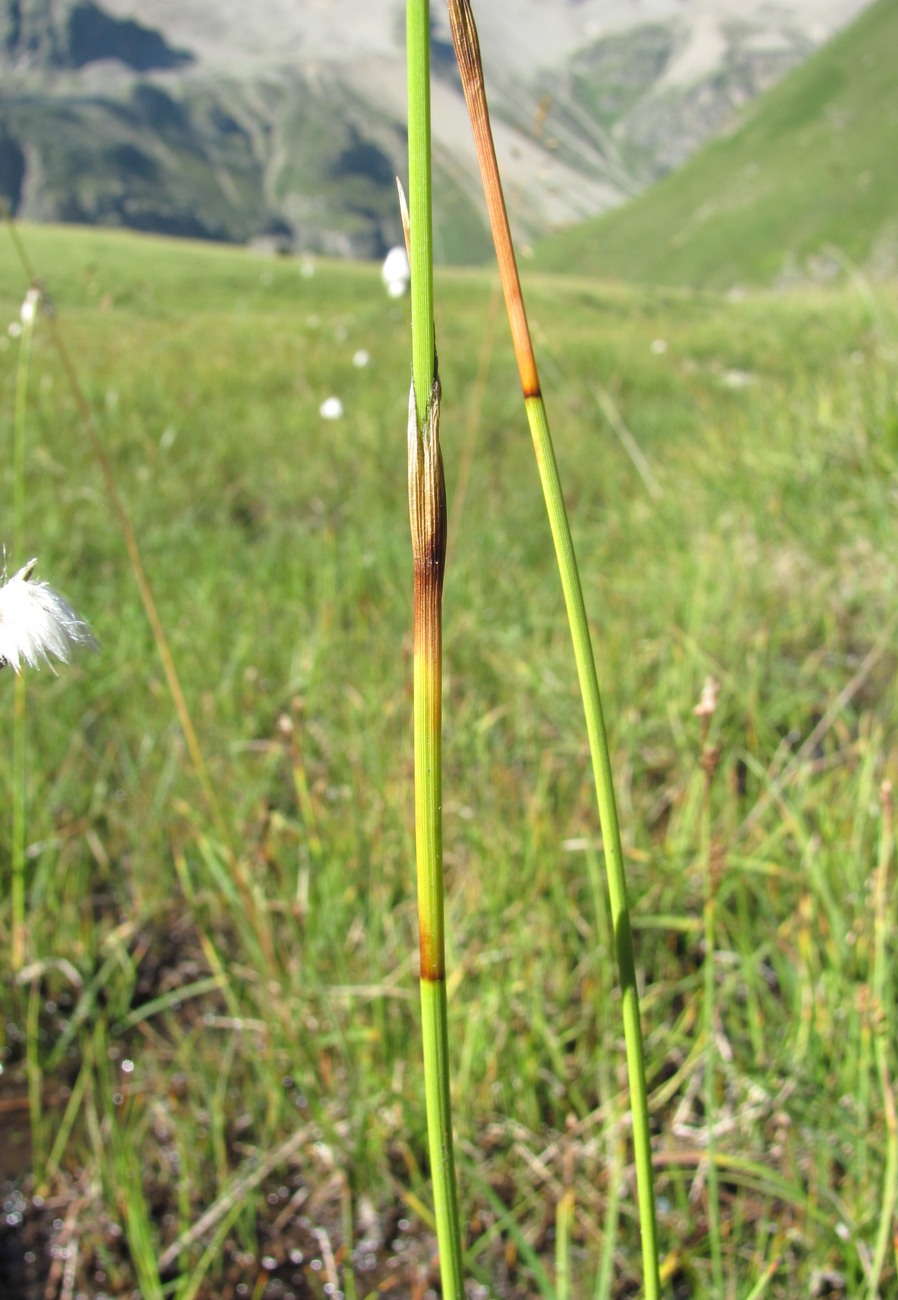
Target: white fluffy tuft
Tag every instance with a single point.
(37, 623)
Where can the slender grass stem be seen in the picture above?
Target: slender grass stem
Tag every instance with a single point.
(882, 1037)
(564, 1228)
(19, 817)
(420, 195)
(19, 798)
(467, 49)
(427, 511)
(709, 760)
(35, 1077)
(427, 506)
(616, 1160)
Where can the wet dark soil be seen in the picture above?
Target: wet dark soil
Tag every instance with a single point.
(67, 1247)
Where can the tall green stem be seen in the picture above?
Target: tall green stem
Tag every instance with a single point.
(427, 510)
(608, 820)
(467, 50)
(420, 202)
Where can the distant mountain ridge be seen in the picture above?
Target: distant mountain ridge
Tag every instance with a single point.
(284, 120)
(44, 34)
(804, 189)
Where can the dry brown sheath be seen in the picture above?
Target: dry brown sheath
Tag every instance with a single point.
(426, 500)
(427, 511)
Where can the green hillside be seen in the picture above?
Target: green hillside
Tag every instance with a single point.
(808, 180)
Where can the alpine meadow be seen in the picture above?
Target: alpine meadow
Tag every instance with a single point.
(211, 1081)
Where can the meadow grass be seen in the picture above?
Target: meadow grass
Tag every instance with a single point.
(252, 1055)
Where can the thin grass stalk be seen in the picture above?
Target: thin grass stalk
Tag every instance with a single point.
(710, 757)
(420, 203)
(19, 775)
(467, 49)
(348, 1224)
(564, 1227)
(427, 511)
(882, 1038)
(617, 1153)
(35, 1078)
(67, 1123)
(764, 1280)
(19, 821)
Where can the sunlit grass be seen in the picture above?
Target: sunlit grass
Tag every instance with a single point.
(278, 548)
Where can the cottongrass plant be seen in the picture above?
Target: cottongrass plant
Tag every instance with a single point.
(37, 625)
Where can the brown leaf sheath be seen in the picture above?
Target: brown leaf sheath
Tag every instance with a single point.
(427, 513)
(426, 500)
(467, 52)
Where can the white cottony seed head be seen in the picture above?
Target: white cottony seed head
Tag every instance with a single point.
(29, 306)
(708, 702)
(37, 623)
(395, 272)
(331, 409)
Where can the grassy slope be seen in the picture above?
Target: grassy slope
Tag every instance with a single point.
(277, 544)
(812, 169)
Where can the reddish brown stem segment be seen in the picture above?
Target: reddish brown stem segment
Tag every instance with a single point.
(427, 512)
(467, 52)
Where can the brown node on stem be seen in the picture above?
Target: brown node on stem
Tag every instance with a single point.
(432, 960)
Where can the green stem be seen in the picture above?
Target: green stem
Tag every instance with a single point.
(427, 510)
(880, 1015)
(467, 50)
(34, 1076)
(19, 928)
(564, 1229)
(19, 821)
(420, 201)
(710, 1079)
(608, 819)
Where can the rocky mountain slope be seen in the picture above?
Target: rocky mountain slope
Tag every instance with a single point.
(805, 189)
(284, 119)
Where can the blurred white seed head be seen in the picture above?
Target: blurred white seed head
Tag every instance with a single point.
(30, 306)
(331, 409)
(708, 702)
(395, 272)
(37, 623)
